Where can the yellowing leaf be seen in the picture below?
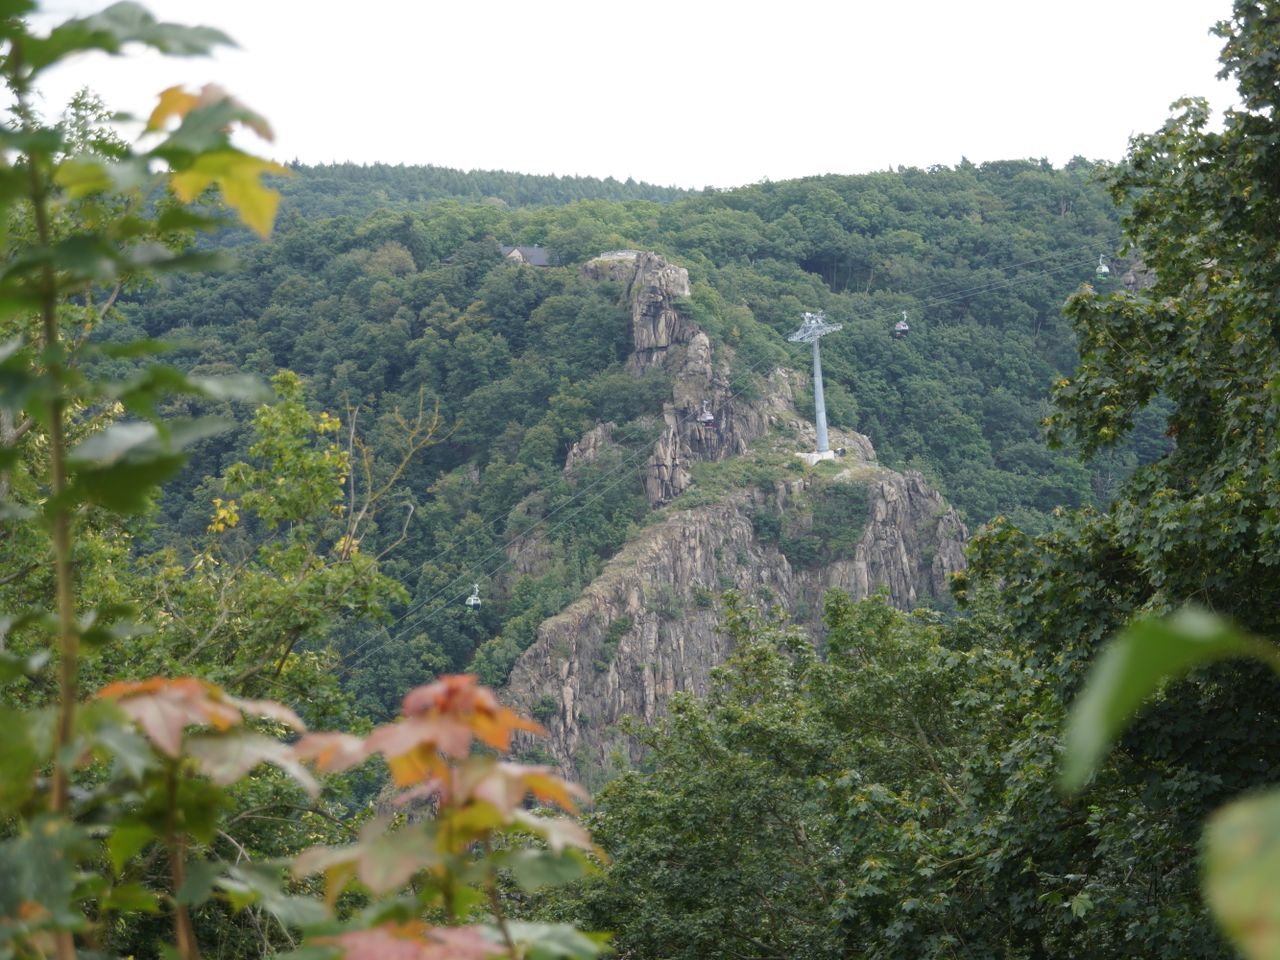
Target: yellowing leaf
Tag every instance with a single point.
(174, 102)
(505, 785)
(238, 176)
(1242, 873)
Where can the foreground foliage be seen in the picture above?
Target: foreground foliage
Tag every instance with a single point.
(134, 803)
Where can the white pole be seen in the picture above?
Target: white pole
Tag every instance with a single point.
(818, 400)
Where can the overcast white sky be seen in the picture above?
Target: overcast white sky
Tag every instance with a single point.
(688, 93)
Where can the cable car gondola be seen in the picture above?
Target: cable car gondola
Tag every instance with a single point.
(1103, 271)
(706, 417)
(901, 328)
(473, 601)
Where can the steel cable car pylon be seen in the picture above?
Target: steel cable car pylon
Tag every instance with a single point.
(812, 329)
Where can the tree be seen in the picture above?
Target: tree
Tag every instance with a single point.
(115, 806)
(1199, 525)
(806, 807)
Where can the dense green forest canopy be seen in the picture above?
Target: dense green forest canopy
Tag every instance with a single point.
(347, 189)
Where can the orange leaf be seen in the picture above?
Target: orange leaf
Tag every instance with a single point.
(461, 698)
(164, 708)
(416, 746)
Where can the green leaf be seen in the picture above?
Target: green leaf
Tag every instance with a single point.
(131, 898)
(110, 445)
(233, 387)
(535, 869)
(39, 866)
(119, 466)
(112, 29)
(246, 884)
(201, 877)
(14, 665)
(203, 133)
(132, 752)
(1133, 667)
(1242, 873)
(557, 941)
(126, 842)
(83, 176)
(181, 218)
(20, 760)
(108, 623)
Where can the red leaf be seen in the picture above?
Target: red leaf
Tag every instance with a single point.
(165, 708)
(416, 941)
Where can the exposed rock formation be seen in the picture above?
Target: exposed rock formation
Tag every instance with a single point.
(646, 627)
(664, 337)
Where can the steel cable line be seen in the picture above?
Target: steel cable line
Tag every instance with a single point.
(355, 657)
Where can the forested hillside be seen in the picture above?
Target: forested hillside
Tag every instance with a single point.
(248, 635)
(417, 307)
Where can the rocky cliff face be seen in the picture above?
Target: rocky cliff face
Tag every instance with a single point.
(646, 627)
(664, 337)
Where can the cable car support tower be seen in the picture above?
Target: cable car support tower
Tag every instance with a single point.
(814, 327)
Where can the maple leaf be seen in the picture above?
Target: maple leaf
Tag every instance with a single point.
(381, 860)
(416, 746)
(331, 752)
(505, 785)
(178, 102)
(416, 941)
(165, 707)
(460, 697)
(224, 760)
